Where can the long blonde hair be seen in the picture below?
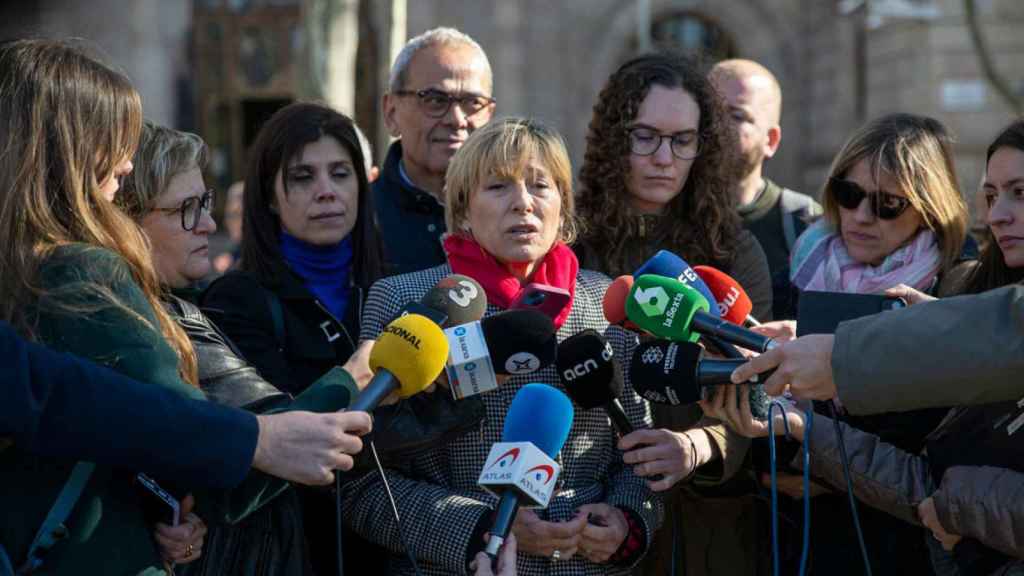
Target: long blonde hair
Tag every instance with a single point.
(66, 122)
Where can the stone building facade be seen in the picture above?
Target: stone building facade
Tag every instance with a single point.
(840, 62)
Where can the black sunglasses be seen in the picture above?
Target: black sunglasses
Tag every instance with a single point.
(849, 195)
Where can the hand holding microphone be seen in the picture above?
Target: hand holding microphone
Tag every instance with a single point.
(407, 356)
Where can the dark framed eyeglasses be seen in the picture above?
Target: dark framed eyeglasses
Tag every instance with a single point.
(849, 195)
(191, 209)
(646, 141)
(436, 103)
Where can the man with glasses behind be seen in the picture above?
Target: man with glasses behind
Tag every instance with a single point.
(439, 92)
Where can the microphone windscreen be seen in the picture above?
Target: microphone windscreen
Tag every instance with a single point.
(734, 304)
(414, 349)
(589, 370)
(614, 303)
(666, 372)
(520, 341)
(667, 264)
(664, 307)
(459, 297)
(539, 414)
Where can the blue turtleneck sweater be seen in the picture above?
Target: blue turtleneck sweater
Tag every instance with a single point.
(325, 270)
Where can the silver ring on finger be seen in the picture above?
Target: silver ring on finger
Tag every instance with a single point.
(556, 555)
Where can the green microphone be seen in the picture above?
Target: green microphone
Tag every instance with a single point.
(673, 310)
(665, 307)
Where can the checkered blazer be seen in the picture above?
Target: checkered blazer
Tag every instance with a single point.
(436, 492)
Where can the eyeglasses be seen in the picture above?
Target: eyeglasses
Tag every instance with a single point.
(646, 141)
(849, 195)
(436, 103)
(192, 209)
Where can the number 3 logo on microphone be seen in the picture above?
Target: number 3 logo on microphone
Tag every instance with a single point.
(463, 294)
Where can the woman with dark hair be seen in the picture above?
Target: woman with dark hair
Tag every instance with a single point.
(965, 484)
(309, 249)
(309, 252)
(658, 173)
(293, 308)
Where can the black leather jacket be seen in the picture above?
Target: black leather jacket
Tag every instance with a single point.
(271, 540)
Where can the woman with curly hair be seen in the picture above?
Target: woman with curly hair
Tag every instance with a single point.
(658, 173)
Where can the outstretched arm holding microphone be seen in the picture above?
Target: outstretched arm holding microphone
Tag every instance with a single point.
(918, 357)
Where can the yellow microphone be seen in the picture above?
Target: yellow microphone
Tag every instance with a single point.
(408, 355)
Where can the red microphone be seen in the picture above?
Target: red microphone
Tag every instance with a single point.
(733, 303)
(614, 303)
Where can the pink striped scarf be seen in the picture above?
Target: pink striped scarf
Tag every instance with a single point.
(820, 262)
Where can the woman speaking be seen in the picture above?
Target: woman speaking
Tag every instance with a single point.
(509, 207)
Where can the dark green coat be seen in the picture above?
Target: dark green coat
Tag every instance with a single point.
(108, 533)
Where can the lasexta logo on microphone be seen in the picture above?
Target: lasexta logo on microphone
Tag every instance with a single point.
(653, 301)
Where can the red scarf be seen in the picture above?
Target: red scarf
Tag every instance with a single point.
(558, 269)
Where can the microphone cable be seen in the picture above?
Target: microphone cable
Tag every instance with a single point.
(849, 488)
(808, 424)
(394, 510)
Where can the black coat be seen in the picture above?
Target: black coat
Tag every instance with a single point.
(301, 346)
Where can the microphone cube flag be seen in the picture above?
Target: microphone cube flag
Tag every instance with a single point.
(665, 307)
(522, 467)
(470, 371)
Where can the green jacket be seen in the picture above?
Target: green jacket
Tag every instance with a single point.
(107, 531)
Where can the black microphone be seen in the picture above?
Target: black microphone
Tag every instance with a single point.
(676, 373)
(591, 375)
(454, 300)
(520, 341)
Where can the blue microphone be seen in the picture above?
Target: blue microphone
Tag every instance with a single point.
(541, 415)
(667, 264)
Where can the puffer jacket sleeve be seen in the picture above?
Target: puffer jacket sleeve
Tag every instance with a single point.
(984, 503)
(883, 476)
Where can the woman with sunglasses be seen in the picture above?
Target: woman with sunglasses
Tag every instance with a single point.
(658, 173)
(965, 485)
(893, 216)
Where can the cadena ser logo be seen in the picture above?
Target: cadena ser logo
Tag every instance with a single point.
(542, 473)
(506, 460)
(653, 301)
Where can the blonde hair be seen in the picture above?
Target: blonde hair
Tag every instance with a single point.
(162, 154)
(503, 148)
(916, 151)
(66, 122)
